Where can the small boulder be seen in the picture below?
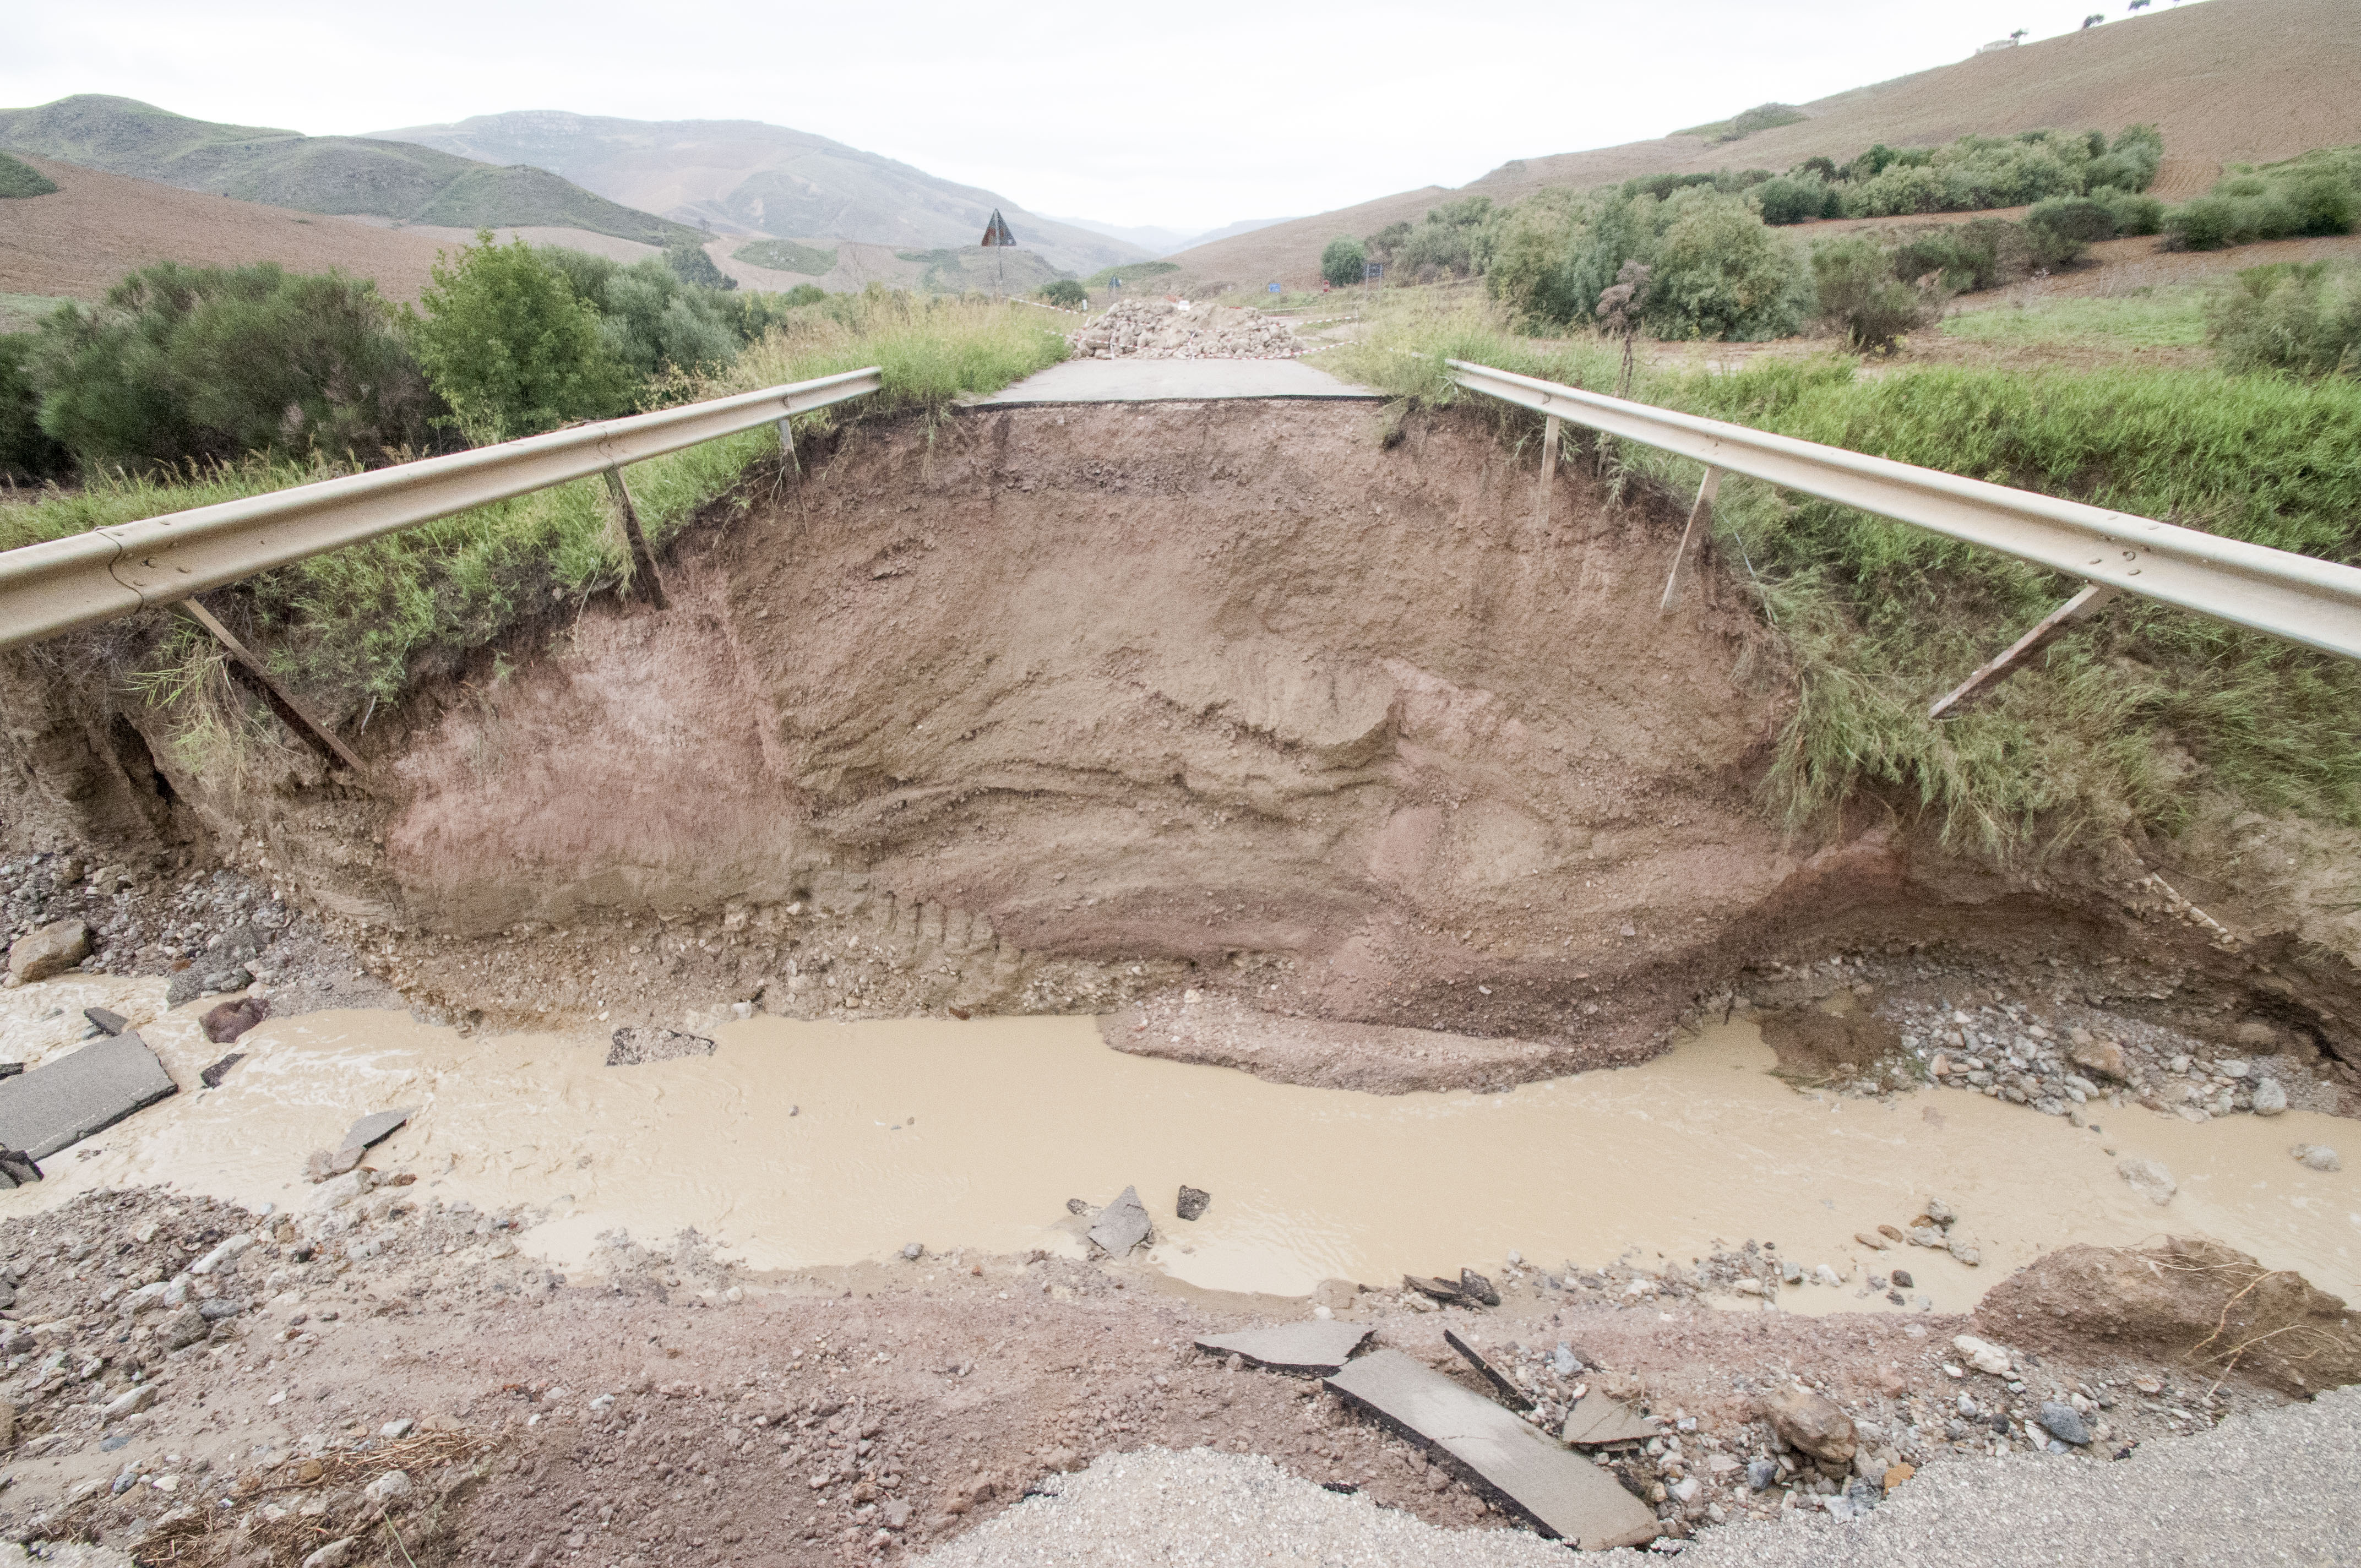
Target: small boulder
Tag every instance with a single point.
(1814, 1425)
(2101, 1058)
(2270, 1097)
(1961, 1245)
(2064, 1422)
(2149, 1178)
(1902, 1279)
(1476, 1288)
(184, 987)
(390, 1487)
(2316, 1157)
(230, 1019)
(48, 950)
(1192, 1203)
(336, 1554)
(185, 1327)
(1982, 1355)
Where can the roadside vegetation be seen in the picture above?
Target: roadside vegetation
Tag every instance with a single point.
(2127, 723)
(19, 178)
(2318, 194)
(787, 256)
(511, 341)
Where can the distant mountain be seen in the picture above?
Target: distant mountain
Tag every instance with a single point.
(345, 175)
(1164, 242)
(747, 177)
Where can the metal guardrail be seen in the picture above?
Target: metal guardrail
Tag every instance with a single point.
(64, 584)
(2306, 600)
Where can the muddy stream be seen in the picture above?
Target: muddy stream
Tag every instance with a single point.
(801, 1145)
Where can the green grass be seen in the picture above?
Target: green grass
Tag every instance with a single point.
(1131, 272)
(787, 255)
(2153, 318)
(19, 178)
(365, 622)
(2125, 723)
(23, 312)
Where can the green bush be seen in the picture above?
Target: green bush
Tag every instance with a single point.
(19, 178)
(1794, 198)
(26, 450)
(1719, 272)
(651, 322)
(692, 266)
(2134, 213)
(1066, 292)
(2304, 318)
(1969, 175)
(1857, 291)
(1980, 254)
(181, 364)
(1343, 262)
(805, 294)
(2319, 193)
(508, 343)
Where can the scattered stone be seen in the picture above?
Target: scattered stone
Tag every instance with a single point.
(1563, 1495)
(394, 1432)
(108, 1022)
(1964, 1248)
(1760, 1473)
(390, 1487)
(1192, 1203)
(2149, 1178)
(185, 1327)
(1476, 1288)
(1076, 1206)
(375, 1128)
(2270, 1097)
(913, 1251)
(1869, 1239)
(631, 1047)
(1982, 1355)
(2101, 1058)
(65, 1102)
(1121, 1224)
(227, 1021)
(322, 1165)
(1163, 329)
(237, 979)
(1310, 1346)
(1440, 1290)
(1902, 1279)
(1897, 1474)
(1814, 1425)
(2064, 1422)
(212, 1077)
(47, 950)
(2317, 1156)
(185, 987)
(1824, 1274)
(336, 1554)
(131, 1401)
(1596, 1419)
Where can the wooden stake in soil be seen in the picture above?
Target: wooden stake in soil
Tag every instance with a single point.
(1692, 538)
(255, 674)
(643, 559)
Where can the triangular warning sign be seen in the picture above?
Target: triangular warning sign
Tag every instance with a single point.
(996, 231)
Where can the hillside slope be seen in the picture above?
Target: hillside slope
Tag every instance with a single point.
(754, 178)
(2227, 81)
(345, 175)
(77, 242)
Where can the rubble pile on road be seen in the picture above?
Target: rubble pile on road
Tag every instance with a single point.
(1175, 329)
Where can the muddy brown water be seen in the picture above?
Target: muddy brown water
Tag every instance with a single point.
(800, 1144)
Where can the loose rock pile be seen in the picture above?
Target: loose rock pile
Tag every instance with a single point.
(1171, 329)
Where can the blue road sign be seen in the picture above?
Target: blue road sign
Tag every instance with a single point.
(1274, 288)
(1371, 271)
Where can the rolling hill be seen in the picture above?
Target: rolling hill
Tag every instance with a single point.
(79, 240)
(2227, 81)
(342, 175)
(751, 177)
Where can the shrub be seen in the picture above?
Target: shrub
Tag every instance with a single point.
(649, 322)
(2075, 221)
(1798, 199)
(2304, 318)
(510, 346)
(26, 450)
(1066, 292)
(1969, 256)
(201, 363)
(1857, 292)
(21, 179)
(691, 265)
(1719, 272)
(1344, 261)
(805, 294)
(2319, 193)
(2133, 212)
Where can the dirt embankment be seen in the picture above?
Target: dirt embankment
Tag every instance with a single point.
(1053, 708)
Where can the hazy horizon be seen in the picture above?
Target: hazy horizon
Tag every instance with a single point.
(1123, 118)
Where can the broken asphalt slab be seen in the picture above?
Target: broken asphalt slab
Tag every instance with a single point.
(376, 1128)
(1560, 1493)
(1121, 1224)
(1596, 1419)
(1308, 1346)
(65, 1102)
(1509, 1391)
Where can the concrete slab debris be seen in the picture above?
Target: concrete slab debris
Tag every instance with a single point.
(17, 1170)
(633, 1047)
(1440, 1290)
(109, 1022)
(1121, 1224)
(1192, 1203)
(212, 1077)
(1307, 1346)
(1477, 1288)
(1596, 1419)
(1516, 1397)
(65, 1102)
(1561, 1493)
(377, 1128)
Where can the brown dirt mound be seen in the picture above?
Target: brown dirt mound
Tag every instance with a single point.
(1816, 1044)
(2188, 1303)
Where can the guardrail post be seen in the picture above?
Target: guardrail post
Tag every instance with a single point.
(1700, 524)
(2093, 596)
(308, 729)
(643, 559)
(1549, 470)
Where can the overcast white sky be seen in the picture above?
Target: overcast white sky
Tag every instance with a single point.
(1248, 110)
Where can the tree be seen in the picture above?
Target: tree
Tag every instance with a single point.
(2017, 35)
(1344, 261)
(2093, 20)
(1065, 292)
(509, 346)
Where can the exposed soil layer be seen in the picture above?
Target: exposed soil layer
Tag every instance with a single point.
(1064, 709)
(661, 1410)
